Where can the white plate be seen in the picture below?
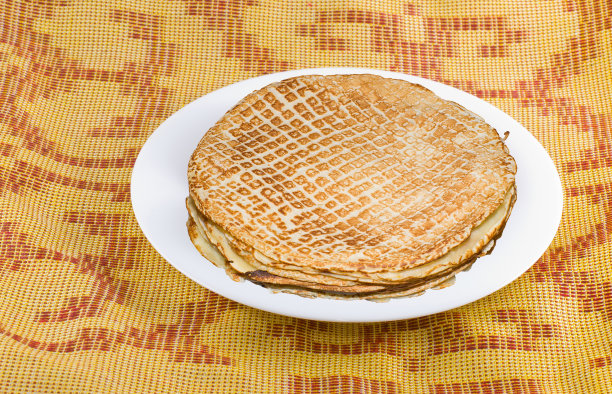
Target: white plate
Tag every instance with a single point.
(159, 187)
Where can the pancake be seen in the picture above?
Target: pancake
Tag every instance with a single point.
(348, 185)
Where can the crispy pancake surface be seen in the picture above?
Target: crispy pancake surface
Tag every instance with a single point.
(349, 173)
(348, 186)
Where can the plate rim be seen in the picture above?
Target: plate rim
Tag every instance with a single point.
(262, 80)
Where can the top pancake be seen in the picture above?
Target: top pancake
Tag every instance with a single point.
(349, 173)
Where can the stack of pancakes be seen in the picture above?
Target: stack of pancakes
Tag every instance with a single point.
(348, 186)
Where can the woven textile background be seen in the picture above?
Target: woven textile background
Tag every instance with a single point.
(86, 303)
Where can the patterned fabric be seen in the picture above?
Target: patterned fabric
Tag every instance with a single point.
(88, 305)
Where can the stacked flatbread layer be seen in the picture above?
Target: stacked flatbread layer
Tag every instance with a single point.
(351, 186)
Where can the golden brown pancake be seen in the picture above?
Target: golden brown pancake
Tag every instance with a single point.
(350, 185)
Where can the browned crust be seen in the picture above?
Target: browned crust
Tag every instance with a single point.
(266, 278)
(216, 160)
(392, 291)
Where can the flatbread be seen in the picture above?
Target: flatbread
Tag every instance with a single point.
(348, 185)
(349, 173)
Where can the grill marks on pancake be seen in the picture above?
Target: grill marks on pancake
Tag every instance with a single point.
(349, 173)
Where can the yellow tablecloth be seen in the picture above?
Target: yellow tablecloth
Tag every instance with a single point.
(87, 304)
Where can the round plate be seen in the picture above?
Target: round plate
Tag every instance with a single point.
(159, 188)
